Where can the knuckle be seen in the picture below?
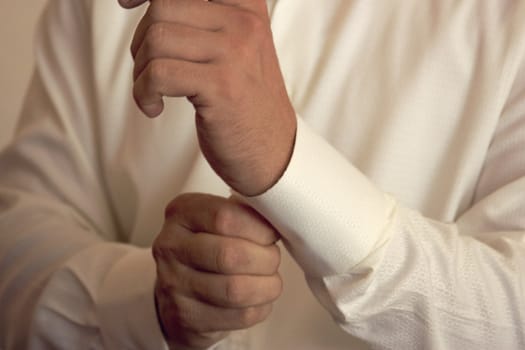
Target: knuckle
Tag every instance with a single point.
(168, 288)
(270, 234)
(161, 249)
(157, 250)
(224, 220)
(277, 258)
(176, 205)
(243, 42)
(155, 36)
(251, 316)
(182, 253)
(170, 278)
(235, 291)
(163, 289)
(175, 252)
(183, 315)
(149, 81)
(155, 71)
(277, 289)
(226, 257)
(250, 23)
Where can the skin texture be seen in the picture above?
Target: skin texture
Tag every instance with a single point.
(221, 56)
(217, 265)
(216, 259)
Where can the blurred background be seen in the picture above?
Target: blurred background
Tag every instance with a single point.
(18, 21)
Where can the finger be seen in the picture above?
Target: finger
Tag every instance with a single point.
(238, 291)
(167, 77)
(225, 255)
(128, 4)
(176, 41)
(200, 317)
(197, 14)
(218, 215)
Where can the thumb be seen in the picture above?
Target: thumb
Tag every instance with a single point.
(199, 212)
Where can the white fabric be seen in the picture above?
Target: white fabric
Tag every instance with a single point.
(403, 202)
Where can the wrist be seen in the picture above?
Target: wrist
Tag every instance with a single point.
(269, 164)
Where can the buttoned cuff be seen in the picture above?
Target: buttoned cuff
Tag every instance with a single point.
(126, 304)
(330, 215)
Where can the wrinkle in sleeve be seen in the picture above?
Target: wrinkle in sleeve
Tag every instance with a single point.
(63, 284)
(102, 297)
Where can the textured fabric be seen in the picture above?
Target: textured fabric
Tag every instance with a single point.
(402, 204)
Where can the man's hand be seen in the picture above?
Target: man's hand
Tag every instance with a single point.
(220, 54)
(217, 267)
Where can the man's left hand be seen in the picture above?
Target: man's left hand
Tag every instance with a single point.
(221, 56)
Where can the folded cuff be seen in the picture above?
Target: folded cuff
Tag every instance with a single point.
(330, 215)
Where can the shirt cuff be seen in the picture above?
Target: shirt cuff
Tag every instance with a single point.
(126, 304)
(330, 215)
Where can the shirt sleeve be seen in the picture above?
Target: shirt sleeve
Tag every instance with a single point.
(395, 278)
(64, 282)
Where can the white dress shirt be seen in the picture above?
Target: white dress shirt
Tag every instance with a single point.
(403, 205)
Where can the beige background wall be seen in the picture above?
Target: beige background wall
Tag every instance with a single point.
(17, 24)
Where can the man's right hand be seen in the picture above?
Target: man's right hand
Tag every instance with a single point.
(217, 263)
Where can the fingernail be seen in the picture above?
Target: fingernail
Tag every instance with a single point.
(130, 3)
